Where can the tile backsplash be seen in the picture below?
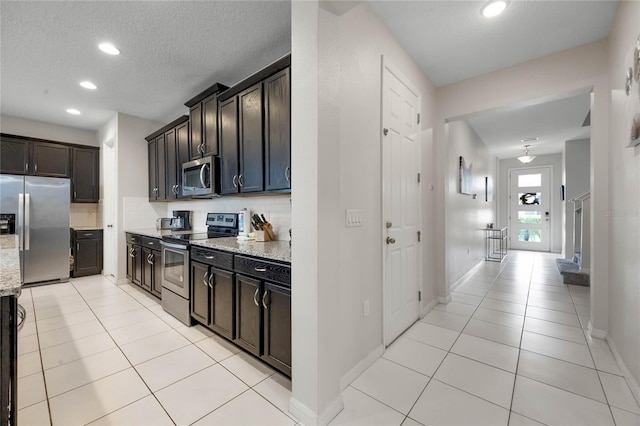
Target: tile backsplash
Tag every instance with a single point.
(276, 209)
(83, 215)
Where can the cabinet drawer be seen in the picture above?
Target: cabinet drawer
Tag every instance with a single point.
(89, 235)
(134, 238)
(152, 243)
(264, 269)
(216, 258)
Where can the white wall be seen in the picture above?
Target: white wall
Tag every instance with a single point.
(131, 198)
(468, 216)
(39, 129)
(336, 78)
(554, 160)
(577, 180)
(362, 40)
(624, 201)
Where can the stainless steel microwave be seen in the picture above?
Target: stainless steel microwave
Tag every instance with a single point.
(199, 178)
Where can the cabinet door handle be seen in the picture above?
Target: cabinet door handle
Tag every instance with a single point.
(212, 280)
(75, 195)
(264, 296)
(260, 269)
(241, 180)
(201, 148)
(255, 297)
(209, 257)
(287, 174)
(204, 279)
(78, 248)
(149, 261)
(234, 181)
(88, 235)
(132, 252)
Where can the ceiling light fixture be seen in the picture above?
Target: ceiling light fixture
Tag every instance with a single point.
(526, 158)
(73, 111)
(109, 48)
(493, 8)
(88, 85)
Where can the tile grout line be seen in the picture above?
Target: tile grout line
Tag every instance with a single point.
(44, 380)
(128, 360)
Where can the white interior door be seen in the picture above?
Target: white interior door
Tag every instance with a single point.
(530, 209)
(402, 266)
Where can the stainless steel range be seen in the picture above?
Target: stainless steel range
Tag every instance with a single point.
(175, 262)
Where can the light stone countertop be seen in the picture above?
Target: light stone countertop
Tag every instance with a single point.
(86, 228)
(274, 250)
(9, 266)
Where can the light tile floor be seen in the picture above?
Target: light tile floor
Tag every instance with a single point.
(510, 348)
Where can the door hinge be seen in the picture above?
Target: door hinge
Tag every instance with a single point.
(418, 118)
(419, 296)
(419, 236)
(418, 177)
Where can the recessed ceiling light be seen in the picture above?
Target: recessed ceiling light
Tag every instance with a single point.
(73, 111)
(109, 48)
(88, 85)
(493, 8)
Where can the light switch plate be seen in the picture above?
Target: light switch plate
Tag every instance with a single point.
(353, 218)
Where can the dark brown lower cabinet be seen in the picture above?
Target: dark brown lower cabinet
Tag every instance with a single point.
(144, 263)
(276, 347)
(263, 321)
(248, 314)
(87, 252)
(212, 298)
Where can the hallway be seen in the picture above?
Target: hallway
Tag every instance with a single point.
(509, 349)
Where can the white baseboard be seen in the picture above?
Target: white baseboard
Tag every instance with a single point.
(595, 332)
(631, 381)
(444, 300)
(307, 417)
(360, 367)
(464, 277)
(428, 308)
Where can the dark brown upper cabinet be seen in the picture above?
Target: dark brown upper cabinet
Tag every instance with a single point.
(15, 155)
(254, 134)
(51, 159)
(250, 140)
(39, 157)
(168, 149)
(203, 119)
(242, 143)
(277, 131)
(228, 113)
(85, 178)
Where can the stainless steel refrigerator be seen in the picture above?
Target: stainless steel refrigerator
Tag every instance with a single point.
(41, 209)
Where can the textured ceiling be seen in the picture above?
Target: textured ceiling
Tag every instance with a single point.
(553, 121)
(451, 41)
(171, 51)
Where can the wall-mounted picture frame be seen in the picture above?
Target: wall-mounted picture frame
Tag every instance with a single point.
(465, 177)
(488, 189)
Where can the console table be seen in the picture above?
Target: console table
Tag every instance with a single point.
(496, 244)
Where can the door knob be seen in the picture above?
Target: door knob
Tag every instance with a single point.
(391, 240)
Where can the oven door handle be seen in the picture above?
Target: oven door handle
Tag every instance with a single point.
(174, 246)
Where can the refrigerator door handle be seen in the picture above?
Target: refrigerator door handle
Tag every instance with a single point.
(27, 208)
(20, 219)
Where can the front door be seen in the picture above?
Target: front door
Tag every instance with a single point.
(402, 216)
(530, 209)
